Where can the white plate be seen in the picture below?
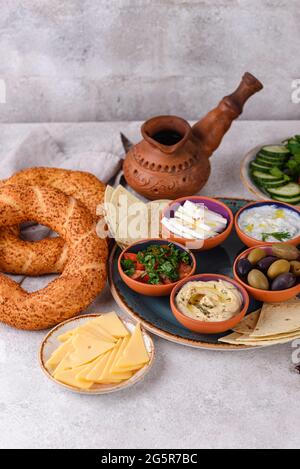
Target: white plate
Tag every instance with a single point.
(51, 342)
(244, 171)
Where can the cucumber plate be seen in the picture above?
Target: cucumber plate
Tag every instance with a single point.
(267, 173)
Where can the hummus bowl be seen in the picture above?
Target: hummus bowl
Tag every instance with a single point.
(281, 207)
(209, 327)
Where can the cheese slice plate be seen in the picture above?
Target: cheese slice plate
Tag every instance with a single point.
(57, 348)
(155, 313)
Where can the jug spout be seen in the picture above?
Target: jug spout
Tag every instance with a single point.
(211, 129)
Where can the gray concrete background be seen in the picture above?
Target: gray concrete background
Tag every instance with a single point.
(90, 60)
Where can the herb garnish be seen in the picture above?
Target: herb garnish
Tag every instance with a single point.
(128, 266)
(279, 235)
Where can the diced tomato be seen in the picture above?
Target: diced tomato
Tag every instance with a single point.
(137, 274)
(131, 256)
(145, 278)
(140, 266)
(184, 270)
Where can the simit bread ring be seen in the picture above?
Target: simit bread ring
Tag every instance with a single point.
(50, 254)
(84, 273)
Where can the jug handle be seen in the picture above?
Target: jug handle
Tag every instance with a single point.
(211, 129)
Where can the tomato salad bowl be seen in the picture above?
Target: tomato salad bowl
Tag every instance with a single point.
(138, 276)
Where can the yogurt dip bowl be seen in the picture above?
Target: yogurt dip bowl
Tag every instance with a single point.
(288, 217)
(205, 244)
(209, 327)
(267, 296)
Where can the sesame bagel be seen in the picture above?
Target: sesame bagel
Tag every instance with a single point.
(84, 273)
(48, 255)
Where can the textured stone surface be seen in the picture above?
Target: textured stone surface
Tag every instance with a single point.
(128, 59)
(191, 398)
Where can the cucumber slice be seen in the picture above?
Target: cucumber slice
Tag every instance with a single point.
(261, 176)
(262, 161)
(291, 200)
(274, 150)
(271, 161)
(264, 169)
(289, 191)
(267, 184)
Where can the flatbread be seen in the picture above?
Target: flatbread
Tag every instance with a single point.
(120, 202)
(278, 318)
(238, 339)
(107, 215)
(247, 324)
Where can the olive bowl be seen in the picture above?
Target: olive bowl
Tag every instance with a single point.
(267, 296)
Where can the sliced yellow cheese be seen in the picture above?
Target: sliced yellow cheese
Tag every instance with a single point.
(65, 364)
(66, 336)
(112, 324)
(135, 354)
(85, 369)
(121, 374)
(106, 376)
(87, 347)
(70, 377)
(98, 367)
(93, 328)
(59, 354)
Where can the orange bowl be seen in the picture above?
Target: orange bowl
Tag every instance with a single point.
(207, 327)
(251, 242)
(145, 288)
(199, 245)
(267, 296)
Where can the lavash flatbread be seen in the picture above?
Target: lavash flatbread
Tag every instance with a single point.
(247, 325)
(239, 339)
(278, 318)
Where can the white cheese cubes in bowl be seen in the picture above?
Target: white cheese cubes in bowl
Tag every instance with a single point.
(197, 222)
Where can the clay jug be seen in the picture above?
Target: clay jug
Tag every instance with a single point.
(172, 160)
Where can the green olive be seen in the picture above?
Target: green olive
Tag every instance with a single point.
(257, 279)
(278, 267)
(295, 268)
(256, 255)
(285, 251)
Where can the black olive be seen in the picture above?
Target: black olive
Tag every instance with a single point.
(284, 281)
(243, 267)
(265, 263)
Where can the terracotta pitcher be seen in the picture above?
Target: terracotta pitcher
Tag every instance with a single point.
(172, 160)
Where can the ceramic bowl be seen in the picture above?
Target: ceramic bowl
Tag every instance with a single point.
(144, 288)
(205, 327)
(211, 204)
(267, 296)
(250, 242)
(51, 342)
